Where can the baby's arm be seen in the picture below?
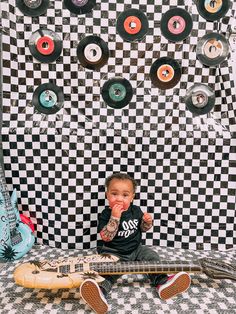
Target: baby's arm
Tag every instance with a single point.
(110, 230)
(146, 222)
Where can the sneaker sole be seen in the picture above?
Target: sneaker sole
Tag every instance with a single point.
(91, 295)
(180, 285)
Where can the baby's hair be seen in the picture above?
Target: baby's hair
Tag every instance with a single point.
(120, 176)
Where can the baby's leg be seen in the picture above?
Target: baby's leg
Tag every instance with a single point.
(145, 253)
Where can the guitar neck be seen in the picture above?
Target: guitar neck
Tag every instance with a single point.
(140, 267)
(7, 202)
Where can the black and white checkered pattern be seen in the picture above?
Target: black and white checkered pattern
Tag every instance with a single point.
(131, 293)
(184, 164)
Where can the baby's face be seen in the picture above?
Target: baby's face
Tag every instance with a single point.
(120, 192)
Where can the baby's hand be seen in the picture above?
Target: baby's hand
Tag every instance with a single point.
(116, 211)
(147, 218)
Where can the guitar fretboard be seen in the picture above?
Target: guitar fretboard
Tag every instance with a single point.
(137, 267)
(15, 235)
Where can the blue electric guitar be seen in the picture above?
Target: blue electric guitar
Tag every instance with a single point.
(16, 238)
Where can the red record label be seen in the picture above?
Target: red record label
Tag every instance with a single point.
(45, 45)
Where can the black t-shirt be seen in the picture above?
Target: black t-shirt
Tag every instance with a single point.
(129, 234)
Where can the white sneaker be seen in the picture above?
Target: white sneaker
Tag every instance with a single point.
(93, 296)
(175, 284)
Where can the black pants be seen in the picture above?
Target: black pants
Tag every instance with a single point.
(142, 253)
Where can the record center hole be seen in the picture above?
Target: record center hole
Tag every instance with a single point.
(165, 73)
(48, 97)
(132, 25)
(45, 45)
(213, 3)
(117, 92)
(200, 99)
(212, 49)
(176, 24)
(93, 52)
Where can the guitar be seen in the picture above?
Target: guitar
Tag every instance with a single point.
(71, 272)
(16, 238)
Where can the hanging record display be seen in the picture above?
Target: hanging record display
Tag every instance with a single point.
(32, 7)
(165, 73)
(117, 92)
(176, 24)
(48, 98)
(92, 52)
(132, 25)
(45, 45)
(212, 49)
(80, 6)
(213, 10)
(200, 99)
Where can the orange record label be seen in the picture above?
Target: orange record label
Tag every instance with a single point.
(165, 73)
(132, 25)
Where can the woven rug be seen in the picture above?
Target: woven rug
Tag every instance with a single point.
(131, 294)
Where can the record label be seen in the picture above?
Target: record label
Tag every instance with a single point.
(165, 73)
(213, 6)
(48, 98)
(117, 92)
(213, 10)
(176, 24)
(93, 52)
(200, 99)
(45, 45)
(132, 25)
(32, 7)
(80, 6)
(212, 49)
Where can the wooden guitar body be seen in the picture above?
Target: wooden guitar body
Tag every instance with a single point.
(54, 275)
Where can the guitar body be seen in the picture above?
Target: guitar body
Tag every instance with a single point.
(46, 274)
(9, 249)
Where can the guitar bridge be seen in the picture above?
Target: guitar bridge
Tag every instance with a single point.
(16, 238)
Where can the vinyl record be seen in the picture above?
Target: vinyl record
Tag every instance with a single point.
(92, 52)
(32, 7)
(165, 73)
(117, 92)
(80, 6)
(212, 49)
(200, 99)
(132, 25)
(213, 10)
(48, 98)
(45, 45)
(176, 24)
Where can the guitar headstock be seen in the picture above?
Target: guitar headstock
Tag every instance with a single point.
(217, 269)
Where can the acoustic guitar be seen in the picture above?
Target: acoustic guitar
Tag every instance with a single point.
(69, 273)
(16, 238)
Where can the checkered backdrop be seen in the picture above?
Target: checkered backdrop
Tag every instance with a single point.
(184, 164)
